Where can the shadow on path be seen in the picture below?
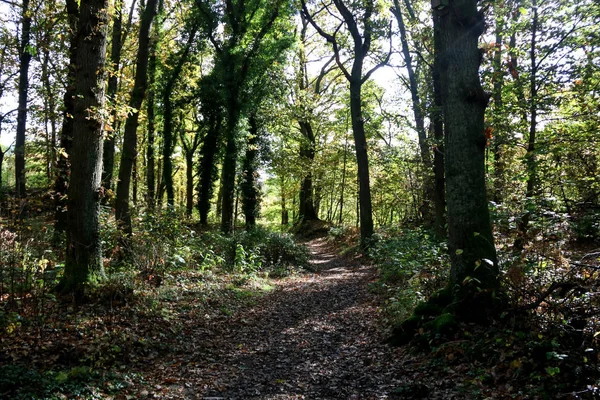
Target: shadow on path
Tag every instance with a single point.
(318, 336)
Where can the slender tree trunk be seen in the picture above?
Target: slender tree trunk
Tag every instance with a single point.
(208, 167)
(343, 184)
(151, 127)
(129, 152)
(113, 84)
(285, 217)
(219, 199)
(230, 159)
(63, 165)
(134, 177)
(249, 186)
(474, 269)
(168, 145)
(189, 183)
(362, 159)
(530, 157)
(168, 137)
(419, 116)
(49, 114)
(307, 152)
(437, 119)
(498, 119)
(24, 61)
(83, 262)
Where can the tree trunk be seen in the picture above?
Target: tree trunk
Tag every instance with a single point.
(113, 82)
(362, 160)
(24, 60)
(83, 262)
(208, 167)
(228, 178)
(428, 183)
(343, 183)
(63, 165)
(285, 216)
(307, 152)
(151, 127)
(437, 119)
(49, 113)
(230, 159)
(189, 183)
(129, 152)
(249, 186)
(168, 145)
(168, 137)
(530, 156)
(474, 269)
(498, 119)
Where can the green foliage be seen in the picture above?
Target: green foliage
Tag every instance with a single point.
(411, 255)
(412, 265)
(272, 251)
(19, 382)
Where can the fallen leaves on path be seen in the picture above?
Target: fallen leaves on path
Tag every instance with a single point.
(310, 336)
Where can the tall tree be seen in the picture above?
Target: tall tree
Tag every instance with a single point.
(249, 185)
(247, 40)
(151, 113)
(474, 271)
(212, 111)
(108, 162)
(189, 151)
(362, 25)
(129, 152)
(83, 262)
(24, 61)
(308, 90)
(418, 114)
(169, 139)
(63, 165)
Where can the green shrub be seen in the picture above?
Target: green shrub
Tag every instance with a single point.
(412, 266)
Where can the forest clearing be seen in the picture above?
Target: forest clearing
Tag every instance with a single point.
(299, 199)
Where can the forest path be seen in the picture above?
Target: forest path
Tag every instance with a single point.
(317, 336)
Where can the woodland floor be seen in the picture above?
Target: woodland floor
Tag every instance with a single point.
(316, 336)
(313, 335)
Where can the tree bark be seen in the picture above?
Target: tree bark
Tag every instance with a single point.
(208, 166)
(285, 216)
(419, 116)
(49, 113)
(249, 186)
(129, 152)
(83, 262)
(498, 119)
(24, 61)
(361, 44)
(362, 160)
(437, 119)
(113, 82)
(307, 152)
(151, 127)
(474, 269)
(63, 165)
(168, 138)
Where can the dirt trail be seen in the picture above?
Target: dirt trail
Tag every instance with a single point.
(317, 336)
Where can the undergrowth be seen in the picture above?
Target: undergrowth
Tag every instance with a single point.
(54, 347)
